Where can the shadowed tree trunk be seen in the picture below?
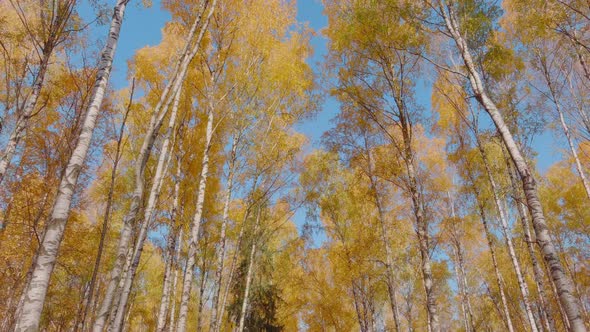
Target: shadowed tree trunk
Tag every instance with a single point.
(508, 238)
(562, 281)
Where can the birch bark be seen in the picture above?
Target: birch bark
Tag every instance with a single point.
(107, 213)
(196, 224)
(30, 316)
(175, 238)
(222, 237)
(249, 274)
(172, 326)
(562, 282)
(22, 120)
(155, 123)
(564, 126)
(483, 217)
(508, 238)
(161, 172)
(545, 310)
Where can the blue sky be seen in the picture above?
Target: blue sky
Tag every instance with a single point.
(143, 26)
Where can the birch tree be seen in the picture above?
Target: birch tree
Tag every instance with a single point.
(561, 280)
(37, 288)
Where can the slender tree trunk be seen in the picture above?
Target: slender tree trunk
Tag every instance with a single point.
(35, 293)
(488, 234)
(196, 224)
(562, 282)
(161, 172)
(107, 214)
(423, 241)
(553, 96)
(460, 272)
(539, 276)
(506, 232)
(566, 132)
(391, 282)
(167, 283)
(461, 290)
(156, 121)
(201, 299)
(116, 300)
(222, 237)
(168, 292)
(232, 268)
(22, 121)
(174, 283)
(249, 273)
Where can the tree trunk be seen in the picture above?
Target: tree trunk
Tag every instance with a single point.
(174, 283)
(196, 224)
(167, 292)
(391, 282)
(545, 310)
(567, 134)
(201, 300)
(222, 237)
(232, 269)
(507, 236)
(107, 214)
(460, 273)
(167, 283)
(161, 172)
(22, 121)
(156, 121)
(423, 241)
(482, 215)
(116, 300)
(560, 278)
(249, 274)
(35, 293)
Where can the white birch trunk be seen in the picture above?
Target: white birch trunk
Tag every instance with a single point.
(482, 214)
(116, 300)
(222, 238)
(154, 126)
(165, 299)
(161, 172)
(168, 292)
(22, 121)
(107, 213)
(249, 274)
(423, 241)
(30, 316)
(562, 281)
(545, 310)
(566, 132)
(232, 269)
(570, 142)
(460, 272)
(172, 326)
(196, 224)
(524, 292)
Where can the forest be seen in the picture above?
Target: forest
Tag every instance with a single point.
(402, 165)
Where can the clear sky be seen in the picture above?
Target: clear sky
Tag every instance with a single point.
(143, 26)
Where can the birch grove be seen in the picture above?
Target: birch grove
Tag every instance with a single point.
(274, 165)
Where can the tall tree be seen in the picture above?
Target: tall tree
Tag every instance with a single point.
(560, 278)
(37, 288)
